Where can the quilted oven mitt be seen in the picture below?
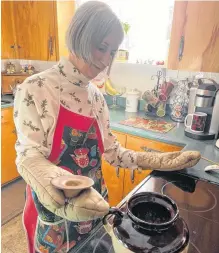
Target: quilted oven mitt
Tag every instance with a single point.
(168, 161)
(39, 172)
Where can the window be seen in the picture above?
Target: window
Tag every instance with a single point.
(150, 21)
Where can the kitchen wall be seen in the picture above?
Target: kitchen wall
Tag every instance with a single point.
(126, 74)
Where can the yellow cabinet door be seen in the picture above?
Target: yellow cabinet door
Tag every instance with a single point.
(114, 179)
(7, 33)
(134, 177)
(8, 134)
(35, 29)
(197, 24)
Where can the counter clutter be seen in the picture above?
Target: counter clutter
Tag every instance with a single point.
(176, 137)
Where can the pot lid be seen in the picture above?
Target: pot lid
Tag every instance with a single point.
(133, 92)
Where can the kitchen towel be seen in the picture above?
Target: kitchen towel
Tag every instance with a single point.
(159, 126)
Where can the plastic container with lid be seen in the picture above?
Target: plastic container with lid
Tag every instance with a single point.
(132, 97)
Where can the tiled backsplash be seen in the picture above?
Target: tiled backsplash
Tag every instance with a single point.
(139, 75)
(125, 74)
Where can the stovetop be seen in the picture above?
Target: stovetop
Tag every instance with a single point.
(198, 202)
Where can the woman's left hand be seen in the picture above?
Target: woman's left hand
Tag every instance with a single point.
(168, 161)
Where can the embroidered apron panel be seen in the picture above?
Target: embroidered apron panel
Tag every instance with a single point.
(77, 148)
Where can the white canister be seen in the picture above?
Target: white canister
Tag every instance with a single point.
(132, 97)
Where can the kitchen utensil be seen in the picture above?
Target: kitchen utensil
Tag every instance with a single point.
(151, 224)
(10, 68)
(165, 91)
(159, 75)
(210, 168)
(197, 121)
(150, 98)
(120, 92)
(179, 101)
(148, 107)
(72, 185)
(132, 97)
(161, 110)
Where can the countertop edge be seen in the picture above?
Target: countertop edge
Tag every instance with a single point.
(150, 135)
(7, 105)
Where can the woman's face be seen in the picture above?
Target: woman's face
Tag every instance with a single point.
(102, 55)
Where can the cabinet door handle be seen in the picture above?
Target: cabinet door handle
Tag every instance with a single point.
(13, 46)
(132, 176)
(117, 171)
(150, 150)
(17, 81)
(181, 48)
(50, 46)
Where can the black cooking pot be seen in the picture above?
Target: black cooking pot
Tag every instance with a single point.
(150, 224)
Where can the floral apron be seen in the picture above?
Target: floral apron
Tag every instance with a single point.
(77, 148)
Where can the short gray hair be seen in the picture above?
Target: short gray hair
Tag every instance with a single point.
(92, 22)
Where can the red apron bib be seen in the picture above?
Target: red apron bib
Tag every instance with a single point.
(77, 147)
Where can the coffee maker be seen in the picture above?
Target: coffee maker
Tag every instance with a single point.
(204, 97)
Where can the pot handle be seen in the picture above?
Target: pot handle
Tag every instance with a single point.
(112, 211)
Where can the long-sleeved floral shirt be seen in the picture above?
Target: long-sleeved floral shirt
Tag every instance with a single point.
(36, 109)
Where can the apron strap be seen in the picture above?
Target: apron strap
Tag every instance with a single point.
(30, 221)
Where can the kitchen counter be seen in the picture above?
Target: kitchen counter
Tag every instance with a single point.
(7, 101)
(175, 136)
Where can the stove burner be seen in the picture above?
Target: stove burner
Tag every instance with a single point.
(104, 244)
(193, 249)
(198, 201)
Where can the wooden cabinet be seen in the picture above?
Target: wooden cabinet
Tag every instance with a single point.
(34, 26)
(197, 24)
(114, 178)
(64, 13)
(9, 82)
(8, 154)
(35, 29)
(7, 32)
(134, 177)
(121, 182)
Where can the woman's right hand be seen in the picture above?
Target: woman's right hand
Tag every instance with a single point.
(88, 205)
(39, 172)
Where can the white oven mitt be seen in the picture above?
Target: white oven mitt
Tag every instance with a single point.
(39, 172)
(168, 161)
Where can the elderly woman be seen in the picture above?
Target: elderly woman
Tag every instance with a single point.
(62, 123)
